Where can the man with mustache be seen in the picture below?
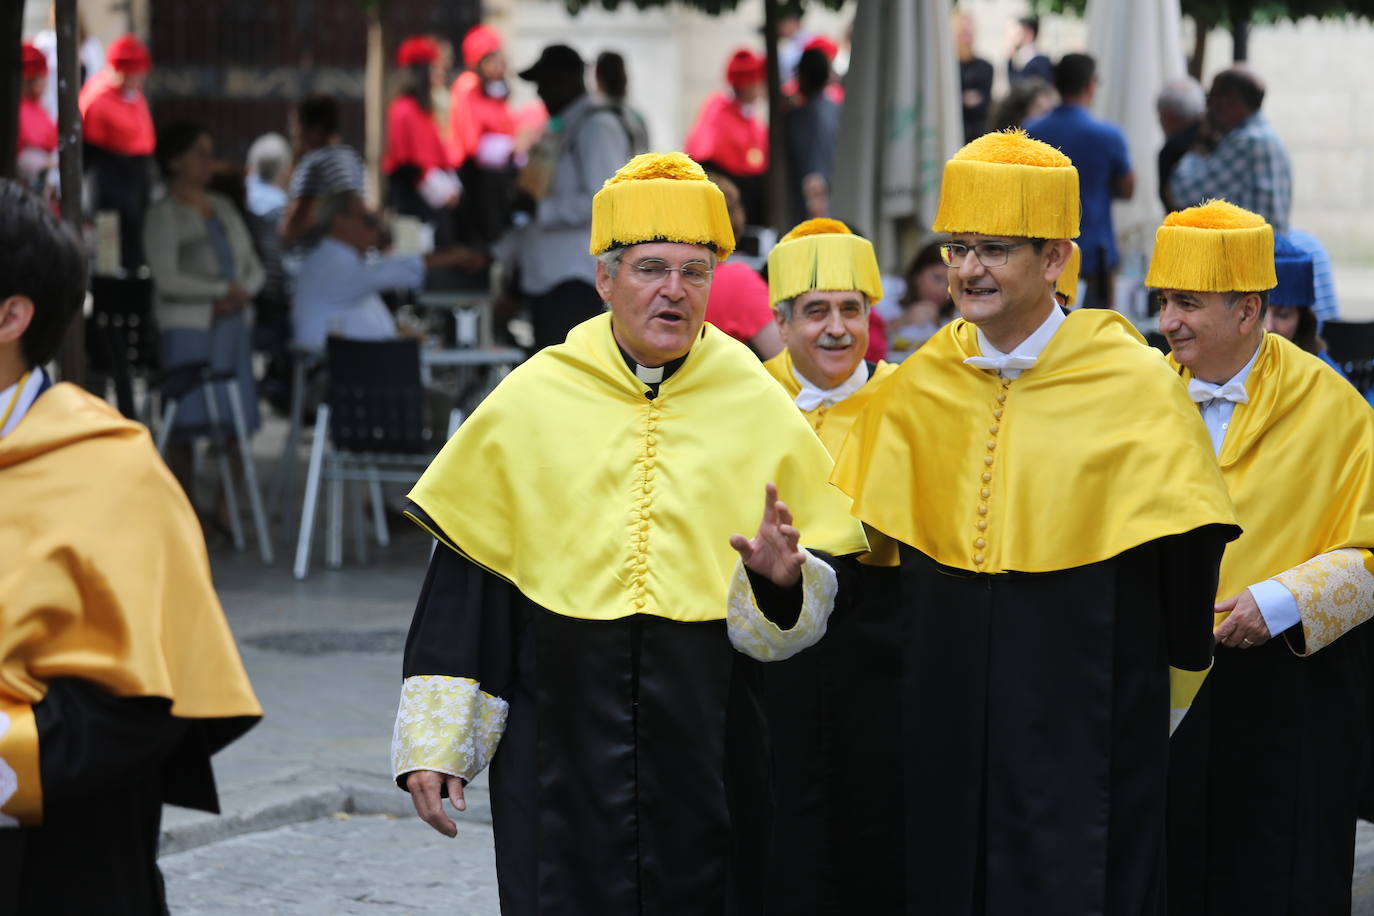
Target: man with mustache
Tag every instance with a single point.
(834, 833)
(1266, 763)
(580, 622)
(1047, 580)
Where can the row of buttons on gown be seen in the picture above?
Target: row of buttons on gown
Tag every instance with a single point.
(980, 542)
(639, 526)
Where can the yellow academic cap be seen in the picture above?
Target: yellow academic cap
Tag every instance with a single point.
(660, 197)
(1008, 184)
(1213, 248)
(1067, 284)
(822, 254)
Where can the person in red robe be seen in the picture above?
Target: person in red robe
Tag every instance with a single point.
(37, 149)
(481, 143)
(729, 137)
(420, 177)
(119, 141)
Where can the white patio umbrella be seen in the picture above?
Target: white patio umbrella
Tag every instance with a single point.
(1139, 49)
(901, 121)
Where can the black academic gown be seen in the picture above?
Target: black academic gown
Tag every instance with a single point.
(107, 765)
(1290, 793)
(835, 722)
(1036, 727)
(632, 775)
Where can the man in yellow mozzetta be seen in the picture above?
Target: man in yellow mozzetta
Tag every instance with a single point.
(832, 710)
(1266, 763)
(118, 675)
(584, 619)
(1048, 576)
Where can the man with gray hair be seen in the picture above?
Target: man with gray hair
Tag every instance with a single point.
(1180, 107)
(338, 287)
(269, 165)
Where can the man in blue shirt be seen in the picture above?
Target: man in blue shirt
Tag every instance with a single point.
(1098, 151)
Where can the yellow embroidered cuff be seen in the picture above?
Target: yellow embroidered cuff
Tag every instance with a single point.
(1335, 593)
(21, 792)
(446, 724)
(758, 637)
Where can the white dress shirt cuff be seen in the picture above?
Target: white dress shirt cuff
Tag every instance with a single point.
(1276, 604)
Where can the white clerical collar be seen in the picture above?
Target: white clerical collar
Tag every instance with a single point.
(810, 397)
(1025, 354)
(648, 375)
(23, 399)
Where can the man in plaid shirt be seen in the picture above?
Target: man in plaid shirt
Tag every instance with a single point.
(1238, 157)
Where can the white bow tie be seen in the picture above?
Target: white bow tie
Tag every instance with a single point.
(1205, 392)
(1001, 362)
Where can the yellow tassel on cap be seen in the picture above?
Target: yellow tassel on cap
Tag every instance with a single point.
(1213, 248)
(1008, 184)
(661, 197)
(822, 254)
(1067, 284)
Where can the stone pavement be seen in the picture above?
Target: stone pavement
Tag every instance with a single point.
(312, 821)
(339, 864)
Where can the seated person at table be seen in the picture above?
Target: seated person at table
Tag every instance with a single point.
(338, 284)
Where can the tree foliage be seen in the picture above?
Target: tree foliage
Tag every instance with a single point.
(711, 7)
(1213, 13)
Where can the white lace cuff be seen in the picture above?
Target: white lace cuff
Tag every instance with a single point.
(446, 724)
(758, 637)
(1335, 593)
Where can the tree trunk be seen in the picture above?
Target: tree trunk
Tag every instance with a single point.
(374, 103)
(1199, 49)
(1240, 40)
(11, 32)
(776, 177)
(72, 356)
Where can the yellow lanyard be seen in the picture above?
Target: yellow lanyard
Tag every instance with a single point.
(14, 399)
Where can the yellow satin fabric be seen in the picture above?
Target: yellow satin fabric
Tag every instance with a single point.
(1298, 460)
(103, 570)
(1096, 450)
(833, 423)
(598, 503)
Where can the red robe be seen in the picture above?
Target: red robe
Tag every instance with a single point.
(36, 129)
(412, 138)
(473, 113)
(726, 135)
(115, 119)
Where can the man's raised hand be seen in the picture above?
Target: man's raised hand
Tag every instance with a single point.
(774, 552)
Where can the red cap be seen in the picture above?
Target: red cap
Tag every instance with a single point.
(478, 43)
(745, 68)
(32, 61)
(128, 55)
(417, 51)
(823, 44)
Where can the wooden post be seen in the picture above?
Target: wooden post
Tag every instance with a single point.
(11, 33)
(72, 356)
(374, 102)
(776, 177)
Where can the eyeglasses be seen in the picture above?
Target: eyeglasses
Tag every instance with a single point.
(989, 254)
(695, 273)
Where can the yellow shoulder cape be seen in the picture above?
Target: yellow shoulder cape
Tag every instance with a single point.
(1095, 450)
(103, 577)
(832, 424)
(1298, 460)
(598, 503)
